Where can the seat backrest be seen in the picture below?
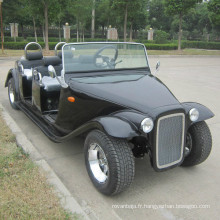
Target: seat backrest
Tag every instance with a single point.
(32, 59)
(54, 61)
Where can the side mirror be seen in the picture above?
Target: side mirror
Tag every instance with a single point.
(52, 71)
(157, 67)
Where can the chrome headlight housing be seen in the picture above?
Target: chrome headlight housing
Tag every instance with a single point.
(193, 114)
(147, 125)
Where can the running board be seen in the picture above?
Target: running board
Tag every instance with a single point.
(47, 129)
(52, 133)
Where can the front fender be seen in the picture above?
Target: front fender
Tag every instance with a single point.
(204, 112)
(117, 127)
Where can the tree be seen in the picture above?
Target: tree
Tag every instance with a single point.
(43, 11)
(214, 10)
(14, 11)
(105, 15)
(122, 7)
(180, 8)
(35, 14)
(128, 10)
(81, 10)
(197, 22)
(138, 16)
(157, 17)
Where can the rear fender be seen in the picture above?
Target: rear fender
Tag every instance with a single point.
(13, 73)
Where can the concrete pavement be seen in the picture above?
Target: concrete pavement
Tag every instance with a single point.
(190, 79)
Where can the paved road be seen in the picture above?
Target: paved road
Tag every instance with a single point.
(190, 79)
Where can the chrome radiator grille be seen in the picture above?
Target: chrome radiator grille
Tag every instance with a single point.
(170, 140)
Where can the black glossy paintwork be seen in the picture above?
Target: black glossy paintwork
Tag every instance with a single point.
(143, 95)
(96, 104)
(116, 107)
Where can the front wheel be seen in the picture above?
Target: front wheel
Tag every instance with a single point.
(12, 94)
(109, 162)
(199, 144)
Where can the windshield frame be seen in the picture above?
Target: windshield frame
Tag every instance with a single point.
(103, 70)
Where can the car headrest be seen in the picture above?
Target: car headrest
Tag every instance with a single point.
(34, 55)
(86, 59)
(54, 61)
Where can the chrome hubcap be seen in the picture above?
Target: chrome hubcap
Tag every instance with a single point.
(11, 93)
(98, 163)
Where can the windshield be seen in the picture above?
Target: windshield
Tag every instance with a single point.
(103, 56)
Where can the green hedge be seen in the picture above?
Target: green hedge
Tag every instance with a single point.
(201, 45)
(145, 41)
(11, 39)
(149, 46)
(161, 46)
(21, 45)
(31, 39)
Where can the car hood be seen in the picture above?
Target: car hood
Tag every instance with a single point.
(142, 92)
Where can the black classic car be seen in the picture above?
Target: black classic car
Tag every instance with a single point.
(106, 93)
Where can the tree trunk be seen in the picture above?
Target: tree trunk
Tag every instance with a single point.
(46, 26)
(77, 31)
(131, 32)
(125, 23)
(60, 32)
(43, 29)
(93, 21)
(22, 30)
(83, 38)
(135, 34)
(180, 32)
(14, 34)
(35, 31)
(103, 31)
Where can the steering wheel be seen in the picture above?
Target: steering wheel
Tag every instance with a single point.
(107, 62)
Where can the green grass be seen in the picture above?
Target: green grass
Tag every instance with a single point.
(19, 53)
(11, 53)
(184, 52)
(24, 191)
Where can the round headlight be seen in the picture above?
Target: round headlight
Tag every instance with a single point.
(147, 125)
(193, 114)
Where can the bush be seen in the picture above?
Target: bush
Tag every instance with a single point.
(201, 45)
(14, 45)
(161, 46)
(21, 45)
(32, 39)
(149, 45)
(11, 39)
(40, 39)
(145, 41)
(161, 37)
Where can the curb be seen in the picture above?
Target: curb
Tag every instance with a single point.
(66, 199)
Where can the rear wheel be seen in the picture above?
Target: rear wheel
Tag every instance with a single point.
(12, 94)
(199, 144)
(109, 162)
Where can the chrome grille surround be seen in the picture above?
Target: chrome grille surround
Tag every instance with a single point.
(170, 136)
